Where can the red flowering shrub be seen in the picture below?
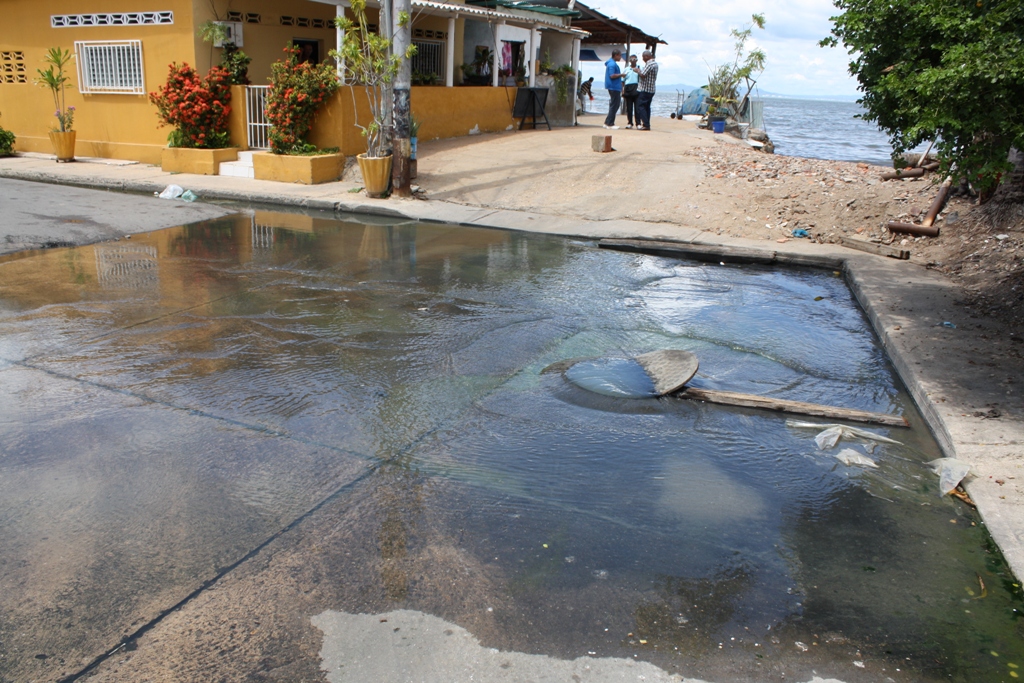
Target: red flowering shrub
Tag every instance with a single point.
(197, 108)
(297, 89)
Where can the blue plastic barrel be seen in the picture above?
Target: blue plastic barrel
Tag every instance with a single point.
(718, 126)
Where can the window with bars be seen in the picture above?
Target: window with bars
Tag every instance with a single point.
(12, 67)
(112, 67)
(428, 60)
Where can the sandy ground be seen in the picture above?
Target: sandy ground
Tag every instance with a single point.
(679, 175)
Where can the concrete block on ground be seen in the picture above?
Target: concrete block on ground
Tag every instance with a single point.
(601, 143)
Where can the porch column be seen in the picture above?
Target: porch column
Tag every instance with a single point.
(339, 36)
(496, 57)
(449, 76)
(576, 75)
(534, 49)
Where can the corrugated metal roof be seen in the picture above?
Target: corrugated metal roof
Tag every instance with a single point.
(526, 5)
(552, 20)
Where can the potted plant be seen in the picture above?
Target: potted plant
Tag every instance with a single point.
(297, 91)
(724, 80)
(7, 142)
(55, 77)
(198, 109)
(564, 76)
(478, 72)
(367, 59)
(233, 60)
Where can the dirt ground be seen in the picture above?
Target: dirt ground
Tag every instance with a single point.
(680, 175)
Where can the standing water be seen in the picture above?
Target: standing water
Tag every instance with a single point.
(249, 421)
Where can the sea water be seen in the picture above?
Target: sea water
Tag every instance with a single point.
(814, 129)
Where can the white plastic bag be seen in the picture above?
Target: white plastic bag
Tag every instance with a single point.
(852, 458)
(828, 438)
(951, 472)
(171, 192)
(834, 432)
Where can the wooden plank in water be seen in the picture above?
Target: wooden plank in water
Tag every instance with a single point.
(873, 248)
(730, 398)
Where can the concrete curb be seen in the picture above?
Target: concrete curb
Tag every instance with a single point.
(905, 304)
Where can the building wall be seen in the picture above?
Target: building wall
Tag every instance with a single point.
(264, 37)
(444, 112)
(119, 126)
(126, 126)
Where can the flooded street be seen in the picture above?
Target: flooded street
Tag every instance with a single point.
(221, 441)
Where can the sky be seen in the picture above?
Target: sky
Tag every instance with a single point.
(697, 33)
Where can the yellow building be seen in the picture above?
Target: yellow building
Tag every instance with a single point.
(123, 49)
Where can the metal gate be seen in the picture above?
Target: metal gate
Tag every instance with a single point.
(256, 124)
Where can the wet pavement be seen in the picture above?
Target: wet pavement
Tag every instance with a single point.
(220, 441)
(38, 216)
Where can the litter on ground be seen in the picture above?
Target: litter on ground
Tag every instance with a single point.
(951, 472)
(852, 458)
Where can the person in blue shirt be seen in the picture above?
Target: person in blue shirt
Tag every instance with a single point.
(630, 83)
(613, 84)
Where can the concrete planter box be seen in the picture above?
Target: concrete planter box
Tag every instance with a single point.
(308, 170)
(198, 161)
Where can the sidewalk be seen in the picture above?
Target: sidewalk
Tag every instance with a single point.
(964, 379)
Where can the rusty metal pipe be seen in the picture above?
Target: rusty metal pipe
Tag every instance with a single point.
(912, 229)
(909, 173)
(940, 201)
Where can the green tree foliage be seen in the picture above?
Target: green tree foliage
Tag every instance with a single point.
(6, 142)
(297, 91)
(946, 69)
(724, 79)
(367, 60)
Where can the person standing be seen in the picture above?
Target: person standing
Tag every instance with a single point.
(630, 84)
(648, 77)
(613, 84)
(586, 92)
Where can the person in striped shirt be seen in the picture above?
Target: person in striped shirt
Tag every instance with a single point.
(648, 77)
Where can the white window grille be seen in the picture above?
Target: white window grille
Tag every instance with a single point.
(429, 58)
(117, 19)
(112, 67)
(262, 235)
(256, 124)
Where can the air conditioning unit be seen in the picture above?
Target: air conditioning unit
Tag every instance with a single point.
(233, 35)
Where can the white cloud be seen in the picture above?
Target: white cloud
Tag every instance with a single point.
(698, 34)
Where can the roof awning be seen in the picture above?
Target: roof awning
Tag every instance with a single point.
(518, 14)
(603, 30)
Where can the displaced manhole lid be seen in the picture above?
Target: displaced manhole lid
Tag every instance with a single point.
(646, 376)
(669, 369)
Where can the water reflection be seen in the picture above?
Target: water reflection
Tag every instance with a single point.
(367, 399)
